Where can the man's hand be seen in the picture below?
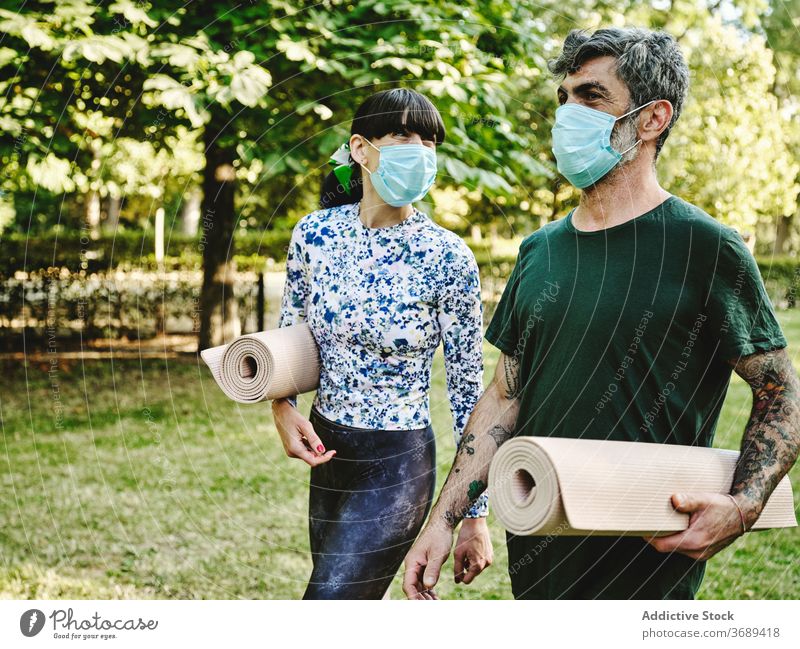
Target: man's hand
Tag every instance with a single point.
(473, 551)
(425, 560)
(714, 523)
(770, 446)
(491, 423)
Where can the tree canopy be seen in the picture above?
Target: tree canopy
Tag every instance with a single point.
(147, 101)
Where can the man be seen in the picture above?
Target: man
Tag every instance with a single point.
(623, 321)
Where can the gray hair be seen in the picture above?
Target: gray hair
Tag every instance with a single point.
(649, 63)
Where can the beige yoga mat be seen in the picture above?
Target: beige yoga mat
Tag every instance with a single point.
(270, 364)
(573, 487)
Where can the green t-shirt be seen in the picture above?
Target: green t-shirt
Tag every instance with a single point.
(624, 334)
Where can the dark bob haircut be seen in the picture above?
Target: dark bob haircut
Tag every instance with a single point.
(399, 110)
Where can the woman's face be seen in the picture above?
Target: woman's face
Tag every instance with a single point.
(369, 156)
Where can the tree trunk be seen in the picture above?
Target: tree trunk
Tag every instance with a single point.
(219, 321)
(782, 233)
(93, 212)
(113, 206)
(749, 241)
(475, 233)
(93, 197)
(190, 212)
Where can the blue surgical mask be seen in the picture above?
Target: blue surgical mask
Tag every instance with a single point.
(582, 143)
(405, 172)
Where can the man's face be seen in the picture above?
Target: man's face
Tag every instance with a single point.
(595, 84)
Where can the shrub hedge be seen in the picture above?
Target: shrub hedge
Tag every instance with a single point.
(113, 285)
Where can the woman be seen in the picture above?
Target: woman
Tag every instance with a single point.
(380, 285)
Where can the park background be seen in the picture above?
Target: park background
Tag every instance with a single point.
(155, 157)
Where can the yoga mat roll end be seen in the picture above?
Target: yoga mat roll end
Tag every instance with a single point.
(580, 487)
(266, 365)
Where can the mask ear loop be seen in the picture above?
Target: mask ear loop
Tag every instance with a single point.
(374, 147)
(630, 147)
(628, 113)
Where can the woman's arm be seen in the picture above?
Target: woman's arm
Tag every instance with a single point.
(460, 316)
(296, 289)
(296, 432)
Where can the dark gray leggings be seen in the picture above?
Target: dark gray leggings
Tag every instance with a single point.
(366, 506)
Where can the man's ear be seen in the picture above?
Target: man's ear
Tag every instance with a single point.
(655, 118)
(357, 149)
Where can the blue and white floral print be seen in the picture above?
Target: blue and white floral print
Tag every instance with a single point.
(379, 301)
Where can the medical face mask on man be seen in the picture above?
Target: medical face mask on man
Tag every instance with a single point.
(405, 172)
(582, 143)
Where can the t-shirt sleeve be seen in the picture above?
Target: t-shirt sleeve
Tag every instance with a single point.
(740, 313)
(503, 330)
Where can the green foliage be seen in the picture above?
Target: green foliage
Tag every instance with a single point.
(730, 153)
(279, 81)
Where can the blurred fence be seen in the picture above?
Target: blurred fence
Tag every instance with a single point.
(142, 302)
(112, 286)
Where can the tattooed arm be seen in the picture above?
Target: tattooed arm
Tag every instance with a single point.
(491, 423)
(771, 441)
(770, 447)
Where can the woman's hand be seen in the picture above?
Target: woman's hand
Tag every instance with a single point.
(297, 434)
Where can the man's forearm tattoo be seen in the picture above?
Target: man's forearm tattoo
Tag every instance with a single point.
(499, 434)
(511, 368)
(491, 423)
(452, 519)
(771, 441)
(464, 444)
(475, 489)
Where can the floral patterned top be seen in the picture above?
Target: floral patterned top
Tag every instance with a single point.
(379, 301)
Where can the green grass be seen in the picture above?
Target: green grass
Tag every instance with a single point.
(149, 483)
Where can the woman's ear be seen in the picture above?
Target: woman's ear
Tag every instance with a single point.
(358, 150)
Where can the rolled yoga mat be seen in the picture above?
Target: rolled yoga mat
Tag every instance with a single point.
(576, 487)
(269, 364)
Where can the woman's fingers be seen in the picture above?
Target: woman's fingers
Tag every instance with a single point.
(303, 442)
(310, 458)
(307, 430)
(299, 438)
